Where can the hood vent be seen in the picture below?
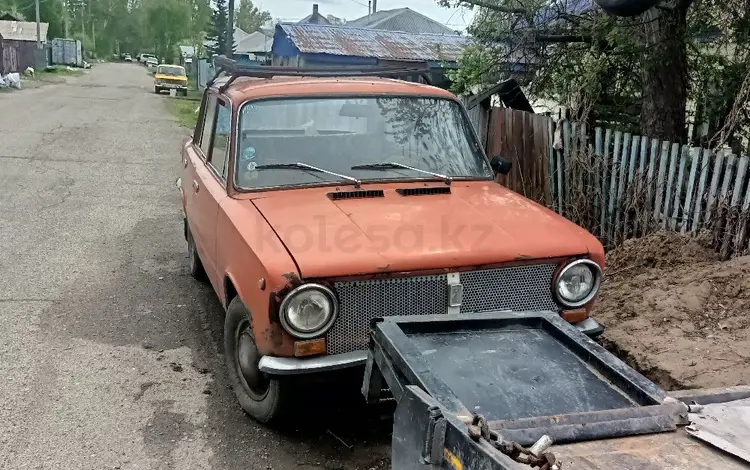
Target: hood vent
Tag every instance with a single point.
(338, 195)
(427, 191)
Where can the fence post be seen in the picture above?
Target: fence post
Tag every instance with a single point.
(613, 187)
(718, 161)
(606, 172)
(660, 182)
(631, 174)
(552, 175)
(621, 184)
(650, 186)
(598, 176)
(670, 182)
(732, 215)
(742, 234)
(678, 190)
(701, 188)
(695, 156)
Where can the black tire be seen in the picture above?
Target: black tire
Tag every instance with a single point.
(157, 90)
(195, 264)
(183, 92)
(261, 397)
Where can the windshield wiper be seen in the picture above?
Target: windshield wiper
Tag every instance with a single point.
(305, 166)
(394, 166)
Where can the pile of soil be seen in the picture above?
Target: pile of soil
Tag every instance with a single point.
(676, 313)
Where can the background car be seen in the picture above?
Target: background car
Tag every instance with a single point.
(127, 58)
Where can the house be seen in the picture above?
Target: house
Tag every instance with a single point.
(401, 19)
(256, 47)
(305, 45)
(18, 46)
(238, 35)
(9, 16)
(315, 17)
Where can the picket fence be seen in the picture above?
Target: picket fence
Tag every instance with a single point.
(621, 186)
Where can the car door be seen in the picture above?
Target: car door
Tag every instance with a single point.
(208, 184)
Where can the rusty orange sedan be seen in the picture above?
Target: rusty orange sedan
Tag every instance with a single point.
(314, 205)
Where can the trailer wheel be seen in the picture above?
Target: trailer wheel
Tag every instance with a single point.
(260, 396)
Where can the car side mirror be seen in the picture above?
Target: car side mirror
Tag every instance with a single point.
(500, 165)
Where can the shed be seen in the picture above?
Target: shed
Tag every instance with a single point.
(255, 48)
(303, 45)
(18, 49)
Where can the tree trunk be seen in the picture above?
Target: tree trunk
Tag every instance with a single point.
(665, 73)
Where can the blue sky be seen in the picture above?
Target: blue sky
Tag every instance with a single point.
(289, 10)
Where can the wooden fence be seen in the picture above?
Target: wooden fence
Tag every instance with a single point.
(620, 186)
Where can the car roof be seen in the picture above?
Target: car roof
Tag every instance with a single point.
(246, 88)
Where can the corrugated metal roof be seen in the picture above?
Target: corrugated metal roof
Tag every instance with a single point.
(381, 44)
(22, 30)
(401, 19)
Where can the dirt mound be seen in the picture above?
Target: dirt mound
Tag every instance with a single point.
(676, 313)
(659, 250)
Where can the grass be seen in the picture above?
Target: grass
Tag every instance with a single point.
(185, 109)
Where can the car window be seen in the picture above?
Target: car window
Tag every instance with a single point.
(218, 157)
(347, 134)
(208, 124)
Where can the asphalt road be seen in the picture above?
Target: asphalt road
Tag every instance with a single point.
(110, 354)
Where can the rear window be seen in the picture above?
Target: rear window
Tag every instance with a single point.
(171, 70)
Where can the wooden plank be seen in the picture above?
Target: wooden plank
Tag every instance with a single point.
(742, 233)
(660, 181)
(568, 164)
(613, 186)
(552, 172)
(731, 218)
(598, 177)
(631, 175)
(706, 161)
(727, 178)
(695, 157)
(640, 187)
(650, 185)
(606, 171)
(715, 180)
(621, 184)
(678, 189)
(670, 181)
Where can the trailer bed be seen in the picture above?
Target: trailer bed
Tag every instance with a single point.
(474, 389)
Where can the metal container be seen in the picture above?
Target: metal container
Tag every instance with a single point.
(67, 52)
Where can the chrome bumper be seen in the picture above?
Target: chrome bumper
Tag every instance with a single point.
(295, 366)
(272, 365)
(589, 327)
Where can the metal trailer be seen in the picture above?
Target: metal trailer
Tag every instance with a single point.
(513, 391)
(67, 52)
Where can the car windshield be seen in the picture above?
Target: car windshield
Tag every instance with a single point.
(415, 133)
(171, 70)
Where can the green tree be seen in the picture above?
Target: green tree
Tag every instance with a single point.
(217, 32)
(168, 21)
(642, 71)
(249, 18)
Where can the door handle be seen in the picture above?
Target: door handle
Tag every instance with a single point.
(196, 186)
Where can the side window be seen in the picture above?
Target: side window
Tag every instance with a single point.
(208, 124)
(219, 152)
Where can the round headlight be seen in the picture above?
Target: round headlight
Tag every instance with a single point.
(308, 311)
(578, 283)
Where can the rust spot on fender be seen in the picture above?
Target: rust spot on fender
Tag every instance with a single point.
(274, 302)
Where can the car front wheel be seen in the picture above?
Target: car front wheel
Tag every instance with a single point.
(262, 397)
(157, 90)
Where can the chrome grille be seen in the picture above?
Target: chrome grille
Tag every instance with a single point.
(516, 288)
(361, 301)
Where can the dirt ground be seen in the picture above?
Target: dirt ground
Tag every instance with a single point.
(676, 313)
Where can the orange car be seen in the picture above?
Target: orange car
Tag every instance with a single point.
(313, 205)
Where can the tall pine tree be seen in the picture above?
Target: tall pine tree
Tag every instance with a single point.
(218, 30)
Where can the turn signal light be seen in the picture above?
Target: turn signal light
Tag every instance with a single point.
(575, 316)
(310, 347)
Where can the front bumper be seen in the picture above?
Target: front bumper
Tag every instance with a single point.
(170, 86)
(272, 365)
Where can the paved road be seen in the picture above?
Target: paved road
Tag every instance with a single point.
(110, 354)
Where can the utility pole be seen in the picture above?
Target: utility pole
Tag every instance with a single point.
(230, 29)
(38, 28)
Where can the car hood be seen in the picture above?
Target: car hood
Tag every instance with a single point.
(478, 223)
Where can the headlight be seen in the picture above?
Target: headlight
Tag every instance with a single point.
(308, 311)
(578, 283)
